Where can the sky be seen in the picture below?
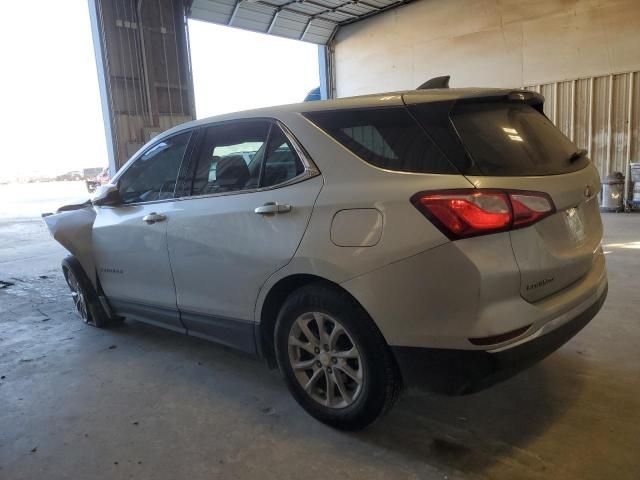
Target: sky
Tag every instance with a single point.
(237, 70)
(50, 113)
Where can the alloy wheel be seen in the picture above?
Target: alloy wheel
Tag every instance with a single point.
(325, 360)
(78, 296)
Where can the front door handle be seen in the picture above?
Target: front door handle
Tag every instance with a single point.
(271, 208)
(153, 218)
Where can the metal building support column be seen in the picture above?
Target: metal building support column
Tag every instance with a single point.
(572, 127)
(555, 103)
(627, 167)
(144, 70)
(186, 51)
(609, 124)
(324, 71)
(102, 85)
(590, 132)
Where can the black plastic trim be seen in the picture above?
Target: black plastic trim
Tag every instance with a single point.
(239, 334)
(183, 183)
(231, 332)
(501, 338)
(161, 316)
(459, 372)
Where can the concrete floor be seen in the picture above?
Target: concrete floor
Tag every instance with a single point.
(140, 402)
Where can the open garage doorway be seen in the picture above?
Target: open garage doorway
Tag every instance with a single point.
(238, 70)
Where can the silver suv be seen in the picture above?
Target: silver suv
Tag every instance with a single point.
(447, 238)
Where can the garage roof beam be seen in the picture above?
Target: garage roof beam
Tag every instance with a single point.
(314, 21)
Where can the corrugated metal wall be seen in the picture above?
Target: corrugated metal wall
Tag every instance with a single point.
(600, 114)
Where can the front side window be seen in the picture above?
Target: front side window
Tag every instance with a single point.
(153, 175)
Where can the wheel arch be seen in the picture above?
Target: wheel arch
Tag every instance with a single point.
(273, 301)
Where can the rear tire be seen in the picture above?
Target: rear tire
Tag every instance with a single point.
(84, 295)
(345, 376)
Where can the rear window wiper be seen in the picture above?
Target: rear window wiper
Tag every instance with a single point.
(577, 155)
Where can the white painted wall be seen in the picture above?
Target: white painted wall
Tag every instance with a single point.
(501, 43)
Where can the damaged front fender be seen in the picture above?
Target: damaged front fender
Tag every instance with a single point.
(72, 226)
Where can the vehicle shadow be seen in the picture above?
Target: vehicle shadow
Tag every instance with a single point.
(474, 432)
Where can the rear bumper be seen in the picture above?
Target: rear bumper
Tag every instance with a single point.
(458, 372)
(448, 296)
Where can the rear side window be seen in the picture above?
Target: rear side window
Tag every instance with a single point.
(509, 139)
(388, 138)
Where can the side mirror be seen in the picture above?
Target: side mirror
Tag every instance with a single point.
(107, 195)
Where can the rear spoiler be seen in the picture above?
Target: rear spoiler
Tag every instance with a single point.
(535, 99)
(476, 95)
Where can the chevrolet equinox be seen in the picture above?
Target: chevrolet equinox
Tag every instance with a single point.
(446, 238)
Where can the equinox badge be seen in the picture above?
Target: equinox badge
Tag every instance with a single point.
(540, 283)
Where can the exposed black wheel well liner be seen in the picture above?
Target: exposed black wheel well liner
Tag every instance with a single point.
(271, 307)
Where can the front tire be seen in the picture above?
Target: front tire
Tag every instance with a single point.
(334, 359)
(83, 294)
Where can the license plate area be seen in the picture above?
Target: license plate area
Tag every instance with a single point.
(574, 220)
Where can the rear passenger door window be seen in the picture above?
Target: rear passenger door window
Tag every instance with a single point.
(230, 157)
(282, 162)
(244, 155)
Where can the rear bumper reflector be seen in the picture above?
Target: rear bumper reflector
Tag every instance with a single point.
(503, 337)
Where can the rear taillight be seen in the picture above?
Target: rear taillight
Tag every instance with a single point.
(530, 207)
(471, 212)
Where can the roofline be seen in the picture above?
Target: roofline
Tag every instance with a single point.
(378, 100)
(362, 101)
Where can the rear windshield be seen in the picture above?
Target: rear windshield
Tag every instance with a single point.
(388, 138)
(508, 139)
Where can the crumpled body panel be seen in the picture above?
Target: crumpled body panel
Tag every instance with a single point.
(73, 230)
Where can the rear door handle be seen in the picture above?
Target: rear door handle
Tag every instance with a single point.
(271, 208)
(153, 218)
